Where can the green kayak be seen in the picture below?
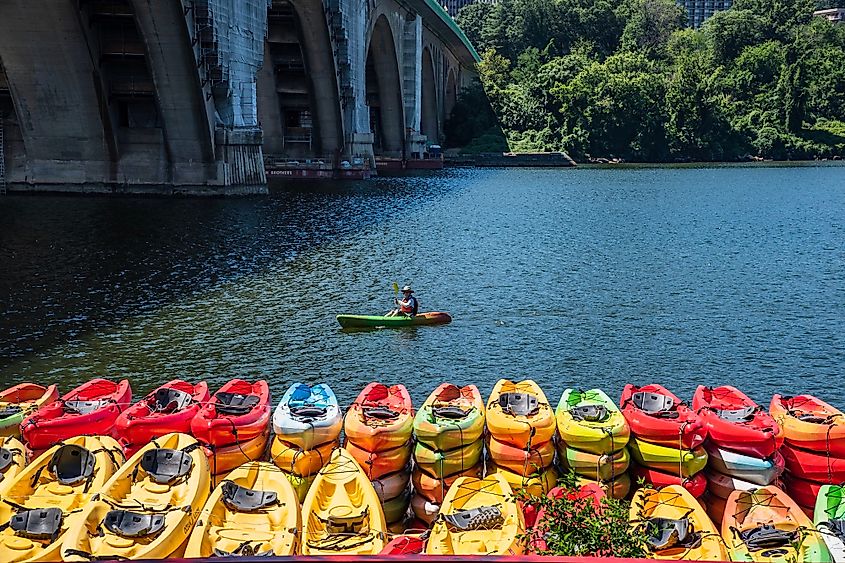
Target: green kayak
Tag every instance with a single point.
(379, 321)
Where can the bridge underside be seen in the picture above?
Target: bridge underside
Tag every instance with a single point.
(151, 96)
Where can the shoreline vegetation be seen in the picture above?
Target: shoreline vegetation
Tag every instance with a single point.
(611, 81)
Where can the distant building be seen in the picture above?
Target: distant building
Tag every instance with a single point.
(835, 15)
(700, 10)
(454, 6)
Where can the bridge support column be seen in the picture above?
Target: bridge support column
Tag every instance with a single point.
(412, 84)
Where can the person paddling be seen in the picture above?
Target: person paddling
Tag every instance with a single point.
(407, 306)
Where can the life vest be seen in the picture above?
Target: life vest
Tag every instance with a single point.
(412, 306)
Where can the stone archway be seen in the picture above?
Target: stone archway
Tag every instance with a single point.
(384, 92)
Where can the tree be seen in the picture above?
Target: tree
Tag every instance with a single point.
(471, 18)
(731, 31)
(649, 25)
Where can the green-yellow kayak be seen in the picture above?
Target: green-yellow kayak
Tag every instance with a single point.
(399, 321)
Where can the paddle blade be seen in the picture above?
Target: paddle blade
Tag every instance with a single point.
(396, 288)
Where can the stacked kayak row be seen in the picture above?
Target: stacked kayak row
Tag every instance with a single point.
(449, 427)
(761, 524)
(743, 443)
(814, 446)
(593, 440)
(307, 424)
(232, 424)
(520, 444)
(379, 435)
(666, 438)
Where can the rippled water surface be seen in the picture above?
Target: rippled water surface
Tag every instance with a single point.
(587, 277)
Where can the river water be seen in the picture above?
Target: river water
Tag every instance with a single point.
(583, 277)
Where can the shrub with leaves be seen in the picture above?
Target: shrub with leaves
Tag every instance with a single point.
(576, 526)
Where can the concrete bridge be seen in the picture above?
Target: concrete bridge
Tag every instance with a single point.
(194, 96)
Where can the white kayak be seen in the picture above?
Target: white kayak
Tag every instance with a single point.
(723, 485)
(308, 416)
(744, 467)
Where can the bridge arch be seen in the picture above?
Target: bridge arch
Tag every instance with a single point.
(429, 116)
(384, 91)
(298, 102)
(12, 149)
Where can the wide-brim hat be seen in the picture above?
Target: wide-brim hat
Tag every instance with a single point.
(408, 289)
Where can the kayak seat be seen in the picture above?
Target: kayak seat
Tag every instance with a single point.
(451, 412)
(128, 524)
(836, 526)
(235, 403)
(665, 533)
(72, 464)
(38, 524)
(589, 413)
(481, 518)
(241, 499)
(84, 407)
(655, 404)
(766, 537)
(6, 459)
(10, 410)
(810, 417)
(737, 415)
(381, 413)
(243, 550)
(519, 404)
(309, 412)
(167, 400)
(165, 466)
(348, 525)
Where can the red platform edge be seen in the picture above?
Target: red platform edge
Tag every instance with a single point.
(413, 559)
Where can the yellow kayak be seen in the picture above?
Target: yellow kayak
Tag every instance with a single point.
(293, 459)
(148, 508)
(677, 525)
(590, 421)
(519, 414)
(536, 484)
(478, 517)
(684, 463)
(12, 461)
(43, 501)
(253, 512)
(343, 514)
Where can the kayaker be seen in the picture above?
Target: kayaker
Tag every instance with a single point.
(407, 306)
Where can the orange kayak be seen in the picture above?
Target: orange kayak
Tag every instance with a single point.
(381, 418)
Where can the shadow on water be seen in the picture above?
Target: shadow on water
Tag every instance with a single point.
(77, 264)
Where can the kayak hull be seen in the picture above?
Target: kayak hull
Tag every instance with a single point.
(380, 321)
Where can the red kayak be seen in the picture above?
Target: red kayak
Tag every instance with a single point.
(90, 409)
(802, 491)
(238, 412)
(405, 545)
(737, 423)
(169, 408)
(657, 415)
(813, 466)
(696, 485)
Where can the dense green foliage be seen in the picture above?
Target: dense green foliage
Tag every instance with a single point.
(625, 79)
(582, 527)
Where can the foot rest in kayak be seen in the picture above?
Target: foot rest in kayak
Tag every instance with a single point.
(736, 415)
(664, 533)
(166, 466)
(454, 413)
(242, 499)
(347, 525)
(72, 464)
(133, 524)
(589, 413)
(38, 524)
(166, 399)
(84, 407)
(309, 412)
(519, 404)
(235, 403)
(380, 413)
(481, 518)
(243, 550)
(654, 403)
(766, 537)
